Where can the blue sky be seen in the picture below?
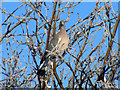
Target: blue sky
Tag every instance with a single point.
(84, 9)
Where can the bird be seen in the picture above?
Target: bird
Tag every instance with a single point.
(57, 45)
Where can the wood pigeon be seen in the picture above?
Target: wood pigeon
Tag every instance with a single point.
(57, 45)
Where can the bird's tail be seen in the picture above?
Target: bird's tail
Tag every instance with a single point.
(45, 65)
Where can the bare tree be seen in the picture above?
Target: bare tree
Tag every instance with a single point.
(92, 58)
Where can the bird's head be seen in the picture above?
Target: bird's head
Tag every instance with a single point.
(62, 24)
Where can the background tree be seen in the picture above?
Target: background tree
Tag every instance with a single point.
(92, 59)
